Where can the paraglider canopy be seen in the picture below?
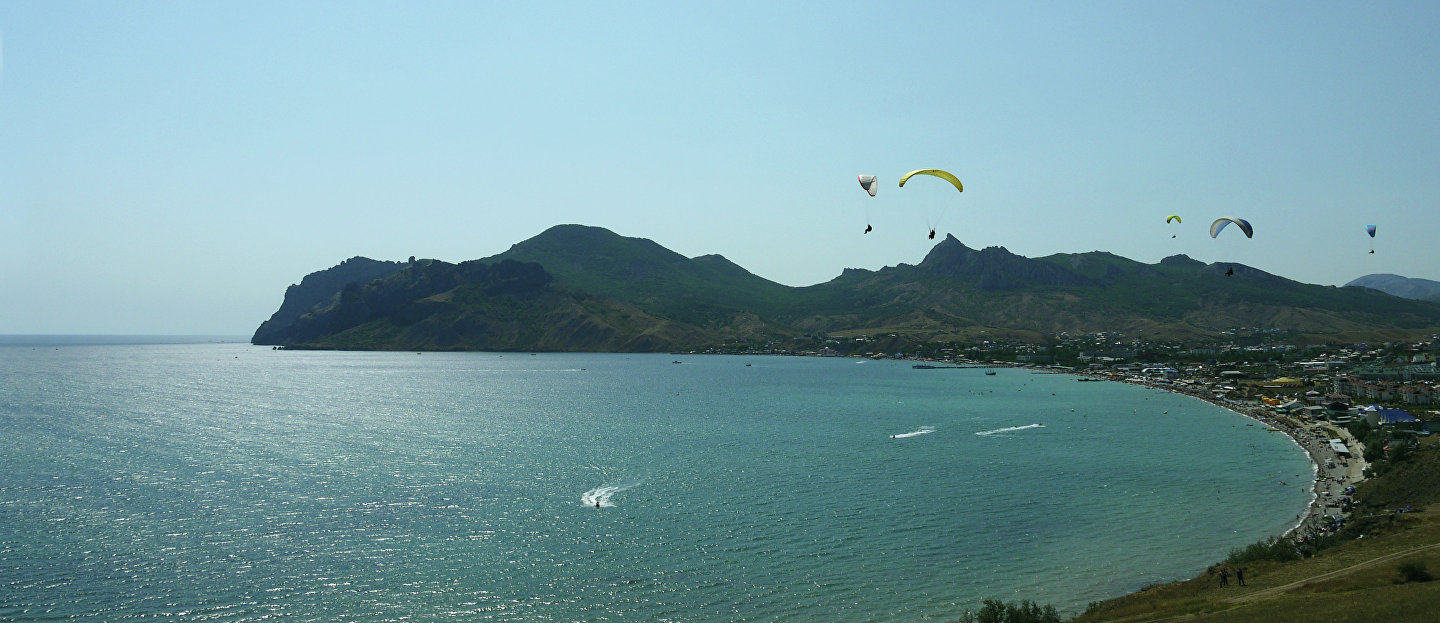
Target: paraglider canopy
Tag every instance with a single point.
(944, 175)
(869, 183)
(1172, 217)
(932, 217)
(1220, 224)
(1371, 230)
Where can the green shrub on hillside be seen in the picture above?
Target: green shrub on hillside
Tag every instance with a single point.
(1274, 548)
(996, 611)
(1409, 478)
(1414, 571)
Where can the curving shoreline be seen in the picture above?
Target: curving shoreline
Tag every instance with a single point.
(1328, 484)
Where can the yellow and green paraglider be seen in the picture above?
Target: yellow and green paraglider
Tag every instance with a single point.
(933, 218)
(1174, 219)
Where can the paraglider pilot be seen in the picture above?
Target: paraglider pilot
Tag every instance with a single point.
(944, 175)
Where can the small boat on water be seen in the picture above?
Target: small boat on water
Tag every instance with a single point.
(989, 373)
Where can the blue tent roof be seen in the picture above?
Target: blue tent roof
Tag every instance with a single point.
(1391, 416)
(1396, 416)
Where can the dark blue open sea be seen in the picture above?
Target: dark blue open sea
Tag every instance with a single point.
(226, 482)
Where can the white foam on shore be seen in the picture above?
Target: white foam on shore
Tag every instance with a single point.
(599, 497)
(1314, 487)
(923, 430)
(1235, 406)
(987, 433)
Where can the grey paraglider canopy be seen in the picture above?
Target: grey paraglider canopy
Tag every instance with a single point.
(1220, 224)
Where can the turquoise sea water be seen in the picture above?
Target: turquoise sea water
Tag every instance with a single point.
(235, 483)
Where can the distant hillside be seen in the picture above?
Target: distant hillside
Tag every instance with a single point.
(958, 292)
(575, 287)
(1404, 287)
(318, 289)
(703, 290)
(507, 305)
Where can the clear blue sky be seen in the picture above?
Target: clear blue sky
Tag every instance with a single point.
(172, 167)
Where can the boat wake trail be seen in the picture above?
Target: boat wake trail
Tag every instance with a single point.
(599, 497)
(987, 433)
(923, 430)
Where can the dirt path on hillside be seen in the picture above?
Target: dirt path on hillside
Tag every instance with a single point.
(1241, 600)
(1274, 590)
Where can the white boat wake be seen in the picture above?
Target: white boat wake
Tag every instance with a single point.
(997, 431)
(599, 497)
(923, 430)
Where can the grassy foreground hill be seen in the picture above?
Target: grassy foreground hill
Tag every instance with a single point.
(1382, 567)
(579, 288)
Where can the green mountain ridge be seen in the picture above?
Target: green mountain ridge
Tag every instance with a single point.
(319, 289)
(582, 288)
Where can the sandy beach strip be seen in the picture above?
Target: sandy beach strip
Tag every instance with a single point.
(1314, 438)
(1329, 483)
